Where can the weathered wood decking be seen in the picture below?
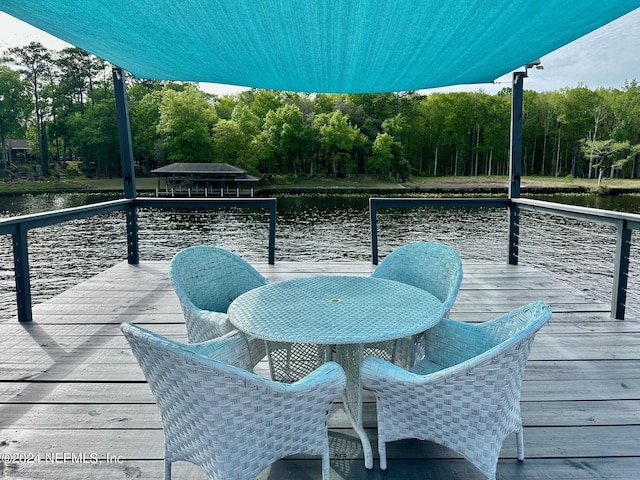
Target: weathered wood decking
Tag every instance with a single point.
(70, 389)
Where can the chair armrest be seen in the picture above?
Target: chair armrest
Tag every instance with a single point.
(327, 374)
(233, 352)
(325, 383)
(203, 325)
(378, 374)
(375, 371)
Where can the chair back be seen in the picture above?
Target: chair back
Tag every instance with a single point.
(516, 328)
(211, 277)
(431, 266)
(229, 421)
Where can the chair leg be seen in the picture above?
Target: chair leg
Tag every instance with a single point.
(382, 450)
(326, 467)
(167, 469)
(520, 444)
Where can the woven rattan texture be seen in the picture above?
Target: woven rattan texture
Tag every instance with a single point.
(206, 280)
(431, 266)
(468, 398)
(230, 422)
(335, 310)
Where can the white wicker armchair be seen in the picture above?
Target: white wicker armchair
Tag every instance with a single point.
(431, 266)
(465, 393)
(206, 280)
(230, 422)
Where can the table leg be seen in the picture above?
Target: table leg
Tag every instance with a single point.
(350, 357)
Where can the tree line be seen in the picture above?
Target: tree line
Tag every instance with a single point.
(63, 101)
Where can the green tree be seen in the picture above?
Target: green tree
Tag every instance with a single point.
(145, 117)
(77, 70)
(382, 154)
(186, 123)
(15, 107)
(250, 124)
(581, 117)
(262, 102)
(603, 154)
(224, 106)
(626, 110)
(399, 129)
(74, 80)
(36, 61)
(286, 130)
(337, 139)
(433, 109)
(96, 134)
(261, 156)
(228, 142)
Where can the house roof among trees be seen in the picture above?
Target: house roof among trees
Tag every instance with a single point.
(16, 144)
(327, 46)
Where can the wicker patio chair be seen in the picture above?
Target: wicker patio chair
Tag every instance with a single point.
(431, 266)
(206, 280)
(231, 422)
(465, 393)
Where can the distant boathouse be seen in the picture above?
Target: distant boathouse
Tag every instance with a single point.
(204, 180)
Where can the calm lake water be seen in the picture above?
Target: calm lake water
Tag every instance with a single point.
(309, 228)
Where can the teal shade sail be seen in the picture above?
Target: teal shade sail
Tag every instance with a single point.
(324, 46)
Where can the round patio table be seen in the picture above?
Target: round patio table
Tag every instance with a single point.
(341, 313)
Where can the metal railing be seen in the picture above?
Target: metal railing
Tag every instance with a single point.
(377, 203)
(19, 226)
(624, 223)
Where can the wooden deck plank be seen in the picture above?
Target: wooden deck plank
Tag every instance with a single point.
(405, 469)
(130, 416)
(147, 444)
(69, 383)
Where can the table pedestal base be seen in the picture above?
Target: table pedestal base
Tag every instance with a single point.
(349, 356)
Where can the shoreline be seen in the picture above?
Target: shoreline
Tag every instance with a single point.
(359, 185)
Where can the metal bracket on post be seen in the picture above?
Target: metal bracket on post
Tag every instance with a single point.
(514, 233)
(133, 256)
(126, 154)
(515, 163)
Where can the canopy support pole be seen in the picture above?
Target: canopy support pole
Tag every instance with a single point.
(515, 163)
(128, 172)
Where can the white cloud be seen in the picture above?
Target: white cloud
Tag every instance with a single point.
(16, 33)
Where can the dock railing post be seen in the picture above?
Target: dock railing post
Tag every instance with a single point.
(21, 272)
(621, 270)
(515, 164)
(272, 232)
(126, 154)
(373, 215)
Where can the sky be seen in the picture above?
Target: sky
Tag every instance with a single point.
(606, 58)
